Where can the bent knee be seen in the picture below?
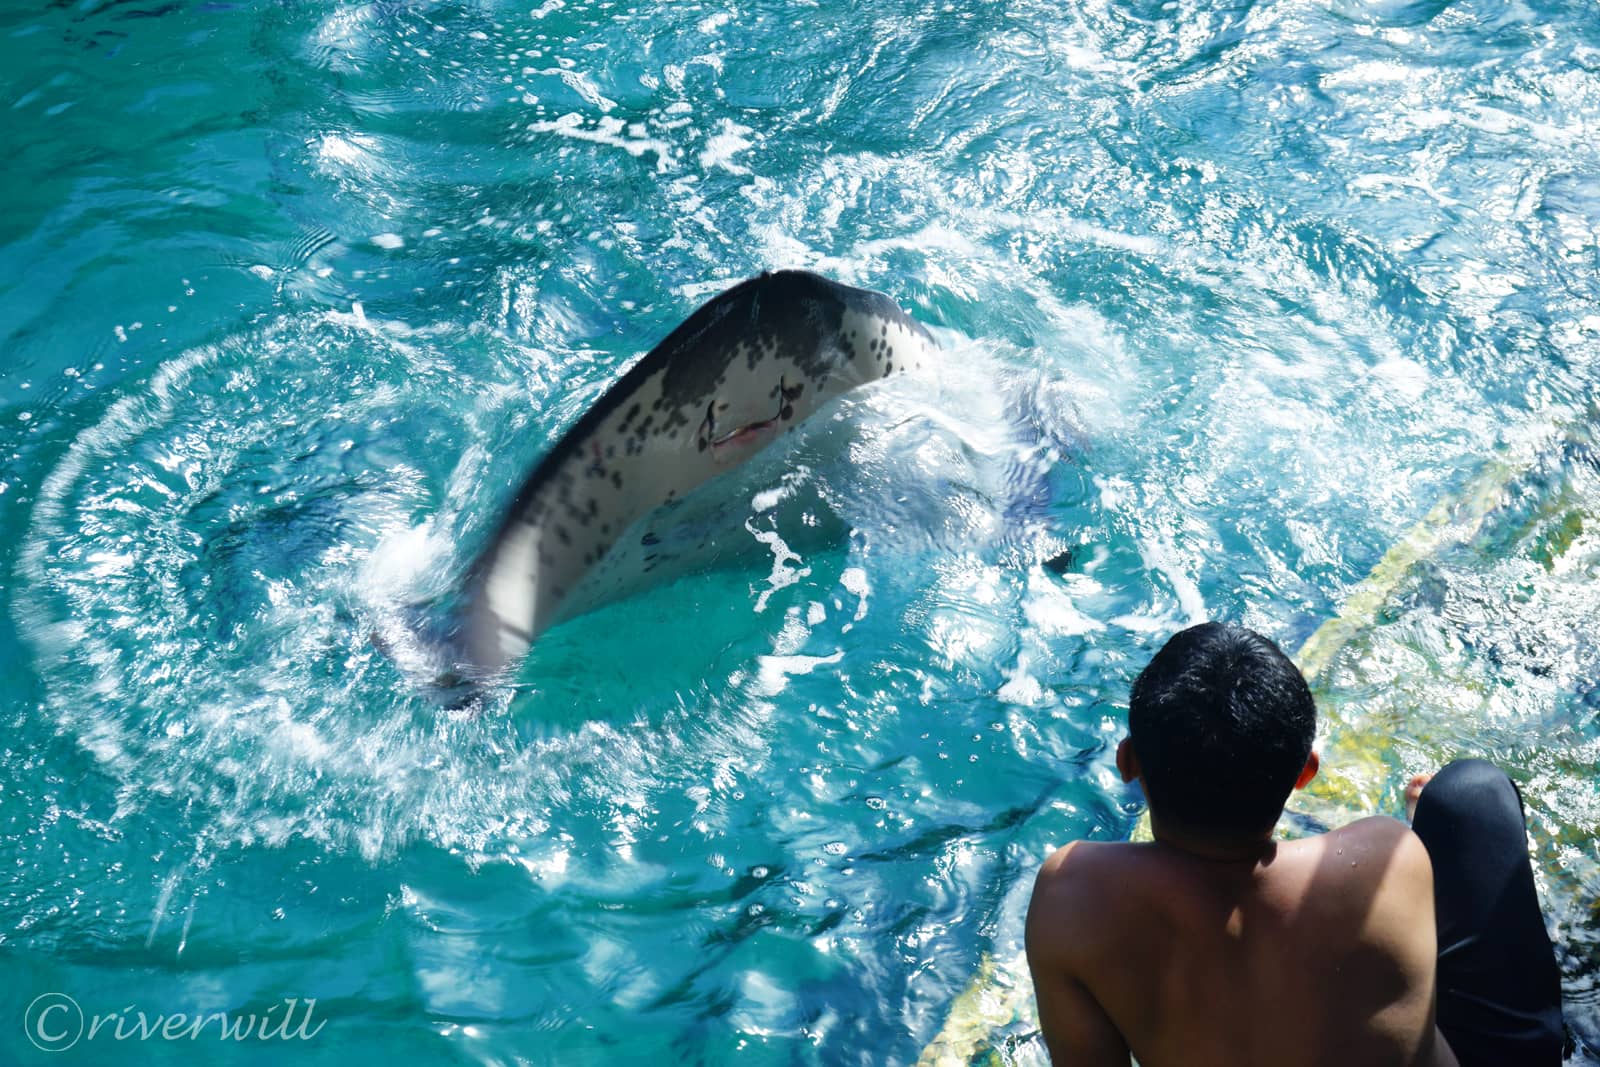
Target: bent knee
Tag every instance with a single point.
(1473, 779)
(1474, 790)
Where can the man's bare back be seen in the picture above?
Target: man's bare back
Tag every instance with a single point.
(1319, 951)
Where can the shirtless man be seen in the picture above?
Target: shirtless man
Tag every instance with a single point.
(1216, 944)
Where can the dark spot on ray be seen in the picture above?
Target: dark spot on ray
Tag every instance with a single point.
(649, 539)
(787, 411)
(888, 368)
(562, 535)
(616, 479)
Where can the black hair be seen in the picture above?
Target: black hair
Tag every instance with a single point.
(1222, 723)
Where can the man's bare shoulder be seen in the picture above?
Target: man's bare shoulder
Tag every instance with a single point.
(1381, 848)
(1084, 867)
(1374, 829)
(1095, 880)
(1085, 887)
(1376, 873)
(1075, 897)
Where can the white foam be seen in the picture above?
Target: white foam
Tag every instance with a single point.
(722, 146)
(855, 582)
(608, 131)
(1406, 378)
(783, 575)
(773, 672)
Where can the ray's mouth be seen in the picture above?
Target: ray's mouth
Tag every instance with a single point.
(744, 434)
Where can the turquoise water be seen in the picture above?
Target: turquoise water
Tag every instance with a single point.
(293, 293)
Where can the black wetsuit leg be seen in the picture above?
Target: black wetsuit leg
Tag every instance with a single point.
(1499, 985)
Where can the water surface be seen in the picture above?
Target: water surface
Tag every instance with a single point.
(292, 294)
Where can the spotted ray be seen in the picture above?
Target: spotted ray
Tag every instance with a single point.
(741, 371)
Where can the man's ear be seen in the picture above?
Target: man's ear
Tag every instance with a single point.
(1128, 761)
(1309, 771)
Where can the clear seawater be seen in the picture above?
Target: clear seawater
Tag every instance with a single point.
(292, 293)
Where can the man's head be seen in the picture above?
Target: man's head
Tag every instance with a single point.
(1220, 725)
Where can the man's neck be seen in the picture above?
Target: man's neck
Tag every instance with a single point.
(1254, 849)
